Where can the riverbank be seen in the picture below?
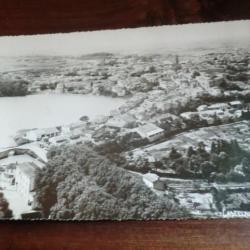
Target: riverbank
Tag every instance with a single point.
(49, 110)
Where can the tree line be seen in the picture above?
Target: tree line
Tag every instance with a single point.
(225, 161)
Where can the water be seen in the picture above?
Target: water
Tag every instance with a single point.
(48, 110)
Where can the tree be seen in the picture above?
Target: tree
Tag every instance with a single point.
(214, 148)
(245, 165)
(13, 88)
(224, 162)
(5, 212)
(202, 151)
(207, 168)
(84, 118)
(201, 147)
(235, 147)
(195, 74)
(44, 86)
(174, 154)
(190, 151)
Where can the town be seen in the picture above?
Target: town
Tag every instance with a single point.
(172, 104)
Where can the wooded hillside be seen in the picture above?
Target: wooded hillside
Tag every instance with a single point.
(78, 183)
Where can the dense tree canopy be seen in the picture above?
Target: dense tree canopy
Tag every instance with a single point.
(79, 183)
(13, 88)
(225, 161)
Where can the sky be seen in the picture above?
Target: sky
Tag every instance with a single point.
(136, 40)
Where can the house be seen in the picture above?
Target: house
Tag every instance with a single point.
(189, 115)
(218, 80)
(218, 106)
(236, 104)
(100, 119)
(33, 135)
(119, 90)
(58, 139)
(151, 78)
(116, 122)
(121, 121)
(74, 135)
(39, 134)
(153, 181)
(209, 112)
(60, 88)
(202, 108)
(150, 131)
(80, 125)
(25, 180)
(167, 63)
(8, 173)
(33, 89)
(49, 132)
(208, 116)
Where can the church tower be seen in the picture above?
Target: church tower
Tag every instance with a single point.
(176, 65)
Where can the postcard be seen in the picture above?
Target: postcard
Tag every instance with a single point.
(131, 124)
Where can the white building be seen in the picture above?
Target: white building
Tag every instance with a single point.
(150, 131)
(202, 108)
(25, 180)
(119, 90)
(39, 134)
(74, 126)
(189, 115)
(58, 139)
(60, 88)
(236, 104)
(218, 106)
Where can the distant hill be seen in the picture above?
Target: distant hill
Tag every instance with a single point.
(102, 55)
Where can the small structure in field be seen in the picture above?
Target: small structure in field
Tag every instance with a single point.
(153, 181)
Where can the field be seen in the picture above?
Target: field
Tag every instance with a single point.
(239, 130)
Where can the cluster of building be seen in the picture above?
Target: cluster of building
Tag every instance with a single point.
(223, 111)
(54, 136)
(159, 88)
(18, 169)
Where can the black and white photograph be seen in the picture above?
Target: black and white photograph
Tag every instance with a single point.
(129, 124)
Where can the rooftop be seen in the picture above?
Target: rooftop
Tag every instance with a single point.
(150, 177)
(50, 130)
(44, 131)
(149, 128)
(28, 169)
(235, 103)
(218, 105)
